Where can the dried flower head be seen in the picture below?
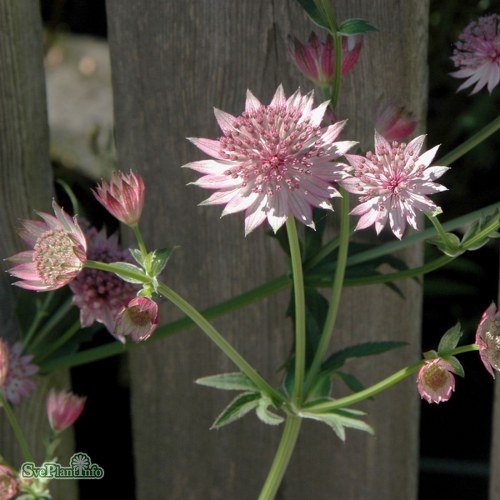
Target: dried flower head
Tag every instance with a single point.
(393, 184)
(488, 338)
(19, 382)
(63, 409)
(435, 380)
(123, 196)
(137, 320)
(316, 58)
(98, 294)
(273, 160)
(59, 252)
(477, 54)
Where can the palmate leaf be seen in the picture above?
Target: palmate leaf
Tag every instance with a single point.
(237, 408)
(235, 381)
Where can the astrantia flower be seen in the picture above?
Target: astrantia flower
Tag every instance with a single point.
(123, 197)
(393, 184)
(394, 122)
(273, 160)
(477, 53)
(9, 487)
(59, 252)
(19, 382)
(137, 320)
(63, 409)
(488, 339)
(435, 380)
(98, 294)
(316, 59)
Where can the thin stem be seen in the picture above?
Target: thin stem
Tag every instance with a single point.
(282, 458)
(59, 342)
(437, 226)
(334, 97)
(111, 268)
(220, 342)
(471, 143)
(337, 285)
(16, 428)
(40, 314)
(322, 253)
(383, 384)
(140, 240)
(300, 310)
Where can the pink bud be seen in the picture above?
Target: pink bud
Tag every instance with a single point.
(63, 409)
(435, 381)
(123, 197)
(138, 319)
(394, 122)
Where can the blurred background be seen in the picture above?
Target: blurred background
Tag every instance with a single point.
(455, 436)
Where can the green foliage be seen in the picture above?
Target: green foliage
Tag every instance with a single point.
(351, 27)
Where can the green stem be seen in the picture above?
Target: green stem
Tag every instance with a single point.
(220, 342)
(322, 253)
(437, 226)
(382, 385)
(116, 348)
(338, 282)
(59, 342)
(16, 428)
(300, 310)
(53, 321)
(282, 458)
(140, 240)
(40, 314)
(471, 143)
(335, 92)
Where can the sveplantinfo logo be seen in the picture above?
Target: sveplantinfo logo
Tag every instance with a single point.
(80, 467)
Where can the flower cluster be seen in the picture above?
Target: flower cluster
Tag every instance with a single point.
(477, 54)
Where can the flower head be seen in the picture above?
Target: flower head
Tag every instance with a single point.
(63, 409)
(138, 319)
(488, 339)
(477, 54)
(9, 486)
(59, 252)
(273, 160)
(98, 294)
(19, 381)
(123, 197)
(316, 59)
(435, 380)
(393, 184)
(394, 122)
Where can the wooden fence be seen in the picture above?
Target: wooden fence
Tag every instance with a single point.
(172, 61)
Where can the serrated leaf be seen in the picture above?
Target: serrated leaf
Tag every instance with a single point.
(450, 339)
(265, 415)
(337, 359)
(237, 408)
(351, 381)
(314, 13)
(235, 381)
(355, 27)
(338, 421)
(322, 388)
(127, 268)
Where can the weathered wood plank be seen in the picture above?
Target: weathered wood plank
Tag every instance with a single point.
(25, 184)
(171, 62)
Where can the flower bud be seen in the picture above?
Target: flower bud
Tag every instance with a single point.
(63, 409)
(435, 380)
(138, 319)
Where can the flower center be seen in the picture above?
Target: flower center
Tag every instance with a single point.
(273, 146)
(435, 377)
(138, 317)
(55, 258)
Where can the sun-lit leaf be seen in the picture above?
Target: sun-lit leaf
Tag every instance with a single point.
(237, 408)
(235, 381)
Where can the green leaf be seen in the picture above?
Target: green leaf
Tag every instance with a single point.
(450, 340)
(137, 255)
(314, 13)
(235, 381)
(265, 415)
(457, 366)
(159, 259)
(350, 380)
(355, 27)
(128, 268)
(237, 408)
(337, 359)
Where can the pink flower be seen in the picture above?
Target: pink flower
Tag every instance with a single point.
(123, 197)
(435, 380)
(63, 409)
(59, 252)
(393, 183)
(4, 362)
(477, 54)
(19, 381)
(9, 487)
(98, 294)
(394, 122)
(138, 319)
(273, 160)
(316, 59)
(488, 338)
